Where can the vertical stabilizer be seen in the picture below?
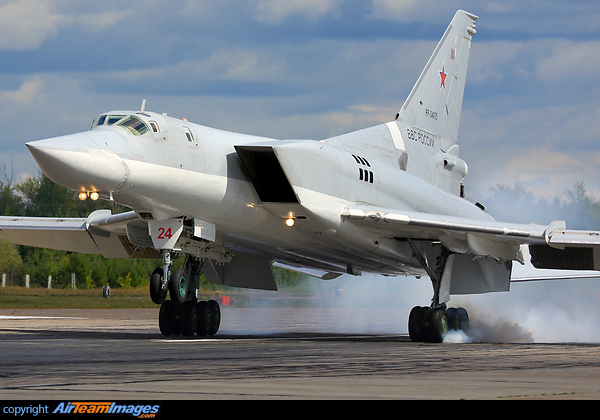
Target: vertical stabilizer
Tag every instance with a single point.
(434, 104)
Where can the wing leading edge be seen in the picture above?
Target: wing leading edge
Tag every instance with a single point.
(100, 233)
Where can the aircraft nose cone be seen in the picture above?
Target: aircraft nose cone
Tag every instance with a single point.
(74, 162)
(39, 151)
(51, 161)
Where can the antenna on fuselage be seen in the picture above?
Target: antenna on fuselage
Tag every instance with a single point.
(143, 105)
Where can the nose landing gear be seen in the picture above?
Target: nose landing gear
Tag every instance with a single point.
(182, 314)
(201, 318)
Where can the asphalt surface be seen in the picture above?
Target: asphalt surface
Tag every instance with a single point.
(280, 353)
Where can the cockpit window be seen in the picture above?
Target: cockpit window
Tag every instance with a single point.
(134, 125)
(188, 134)
(101, 119)
(98, 121)
(106, 119)
(113, 119)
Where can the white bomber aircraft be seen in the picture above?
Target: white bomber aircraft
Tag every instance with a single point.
(386, 200)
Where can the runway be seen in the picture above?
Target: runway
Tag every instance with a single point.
(278, 353)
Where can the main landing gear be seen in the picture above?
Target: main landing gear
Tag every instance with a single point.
(432, 323)
(426, 324)
(183, 314)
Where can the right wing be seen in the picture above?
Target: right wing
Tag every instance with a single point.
(100, 233)
(551, 246)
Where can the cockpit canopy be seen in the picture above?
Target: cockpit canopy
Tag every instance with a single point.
(132, 123)
(106, 119)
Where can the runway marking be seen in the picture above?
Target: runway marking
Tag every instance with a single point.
(38, 317)
(230, 338)
(199, 340)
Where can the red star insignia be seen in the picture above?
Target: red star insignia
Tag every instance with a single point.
(443, 76)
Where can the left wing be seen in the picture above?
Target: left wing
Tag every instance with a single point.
(551, 246)
(100, 233)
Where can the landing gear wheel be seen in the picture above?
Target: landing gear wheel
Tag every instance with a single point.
(209, 318)
(189, 319)
(178, 286)
(427, 325)
(215, 320)
(464, 318)
(156, 293)
(438, 325)
(167, 318)
(416, 323)
(453, 319)
(204, 318)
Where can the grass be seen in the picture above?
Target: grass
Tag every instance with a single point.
(17, 297)
(38, 298)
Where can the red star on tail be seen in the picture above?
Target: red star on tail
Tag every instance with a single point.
(443, 75)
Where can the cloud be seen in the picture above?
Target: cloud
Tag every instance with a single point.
(277, 11)
(409, 11)
(547, 173)
(25, 24)
(96, 22)
(570, 61)
(546, 148)
(29, 92)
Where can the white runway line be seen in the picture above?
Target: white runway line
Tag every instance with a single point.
(37, 317)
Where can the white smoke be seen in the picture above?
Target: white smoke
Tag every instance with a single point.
(532, 312)
(540, 311)
(366, 304)
(548, 311)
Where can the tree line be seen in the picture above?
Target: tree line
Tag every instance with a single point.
(40, 197)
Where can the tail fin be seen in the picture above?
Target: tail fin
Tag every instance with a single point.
(435, 102)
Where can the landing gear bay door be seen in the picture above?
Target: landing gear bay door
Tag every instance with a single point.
(165, 233)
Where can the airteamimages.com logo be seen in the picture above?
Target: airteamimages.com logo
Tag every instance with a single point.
(142, 411)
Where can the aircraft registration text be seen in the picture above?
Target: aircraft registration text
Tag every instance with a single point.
(431, 114)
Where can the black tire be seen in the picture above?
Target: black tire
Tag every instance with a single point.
(438, 325)
(416, 327)
(188, 319)
(453, 319)
(167, 322)
(464, 318)
(204, 318)
(157, 295)
(178, 286)
(215, 317)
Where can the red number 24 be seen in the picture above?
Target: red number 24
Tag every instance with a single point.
(164, 234)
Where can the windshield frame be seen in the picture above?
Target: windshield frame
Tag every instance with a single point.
(107, 119)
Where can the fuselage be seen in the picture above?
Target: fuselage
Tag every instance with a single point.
(164, 167)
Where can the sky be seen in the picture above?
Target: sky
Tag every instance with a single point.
(311, 69)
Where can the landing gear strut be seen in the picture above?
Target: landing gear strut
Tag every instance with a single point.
(431, 324)
(183, 314)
